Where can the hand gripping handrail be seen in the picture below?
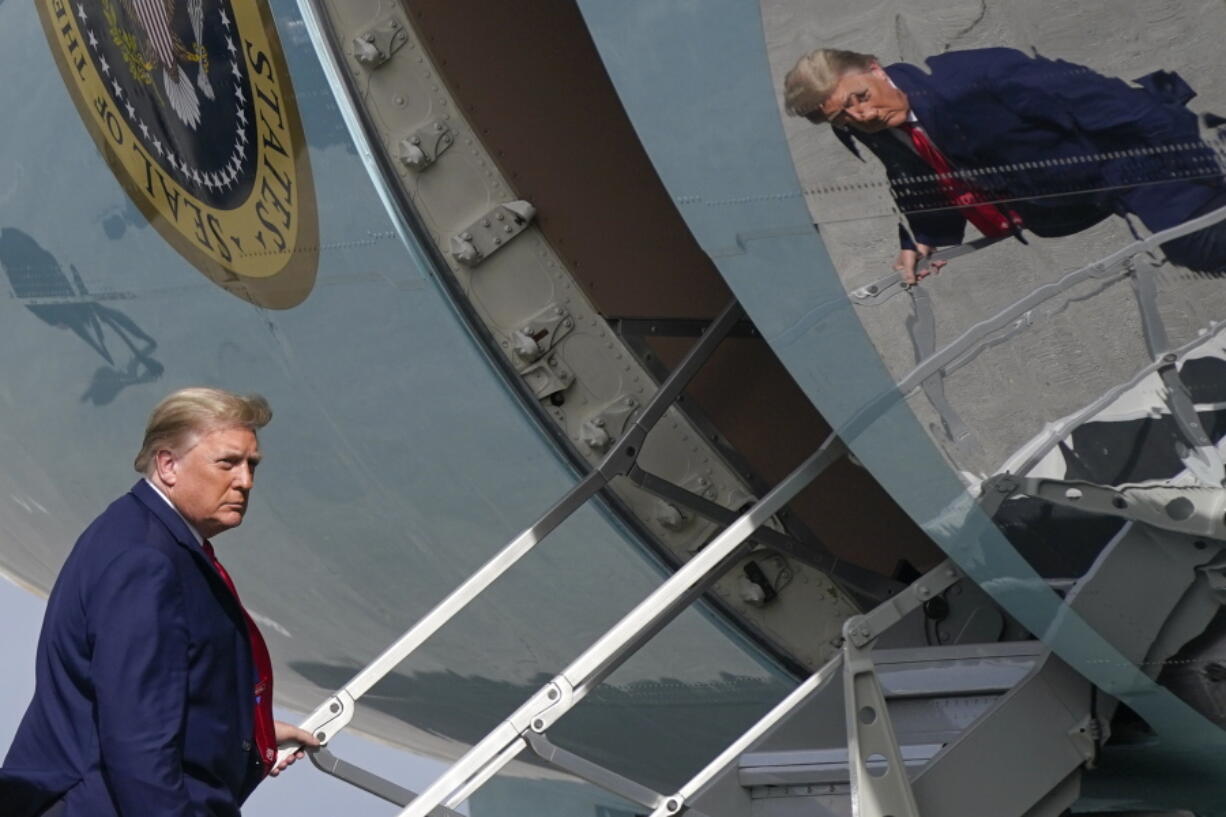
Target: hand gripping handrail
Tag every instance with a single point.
(890, 284)
(1113, 264)
(959, 350)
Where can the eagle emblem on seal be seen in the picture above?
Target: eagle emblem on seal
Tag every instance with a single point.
(155, 49)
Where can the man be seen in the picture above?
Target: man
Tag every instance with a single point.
(153, 692)
(1008, 141)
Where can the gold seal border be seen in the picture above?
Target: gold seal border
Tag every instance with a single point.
(273, 285)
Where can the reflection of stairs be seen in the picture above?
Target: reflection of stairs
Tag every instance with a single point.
(1136, 262)
(999, 729)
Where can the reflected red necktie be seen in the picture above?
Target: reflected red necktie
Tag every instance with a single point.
(265, 733)
(992, 221)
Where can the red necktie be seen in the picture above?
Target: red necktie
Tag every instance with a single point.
(265, 733)
(989, 219)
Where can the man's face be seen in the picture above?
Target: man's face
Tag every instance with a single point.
(211, 481)
(866, 101)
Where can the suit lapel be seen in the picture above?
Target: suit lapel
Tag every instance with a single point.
(169, 517)
(182, 535)
(941, 121)
(920, 95)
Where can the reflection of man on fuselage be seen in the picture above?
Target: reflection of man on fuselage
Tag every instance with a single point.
(1007, 141)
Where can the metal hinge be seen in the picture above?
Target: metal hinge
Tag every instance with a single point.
(376, 45)
(675, 516)
(548, 377)
(422, 147)
(600, 430)
(491, 232)
(541, 333)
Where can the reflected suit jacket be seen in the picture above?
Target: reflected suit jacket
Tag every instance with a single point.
(1064, 146)
(143, 701)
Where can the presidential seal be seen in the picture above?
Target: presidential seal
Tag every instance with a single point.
(191, 104)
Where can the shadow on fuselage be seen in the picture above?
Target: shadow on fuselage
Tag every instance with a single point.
(37, 279)
(616, 726)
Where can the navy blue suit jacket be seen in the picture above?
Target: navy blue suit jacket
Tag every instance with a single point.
(1063, 145)
(143, 703)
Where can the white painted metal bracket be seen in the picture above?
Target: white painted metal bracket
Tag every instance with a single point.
(376, 46)
(421, 148)
(600, 430)
(548, 377)
(1196, 510)
(541, 333)
(491, 232)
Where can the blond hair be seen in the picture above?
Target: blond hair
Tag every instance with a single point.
(808, 85)
(196, 411)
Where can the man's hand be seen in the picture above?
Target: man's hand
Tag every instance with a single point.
(288, 733)
(908, 260)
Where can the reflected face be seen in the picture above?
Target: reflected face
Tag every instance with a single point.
(866, 101)
(211, 481)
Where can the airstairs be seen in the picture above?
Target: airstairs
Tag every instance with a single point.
(895, 724)
(879, 731)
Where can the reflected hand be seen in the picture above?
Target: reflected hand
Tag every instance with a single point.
(908, 260)
(288, 733)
